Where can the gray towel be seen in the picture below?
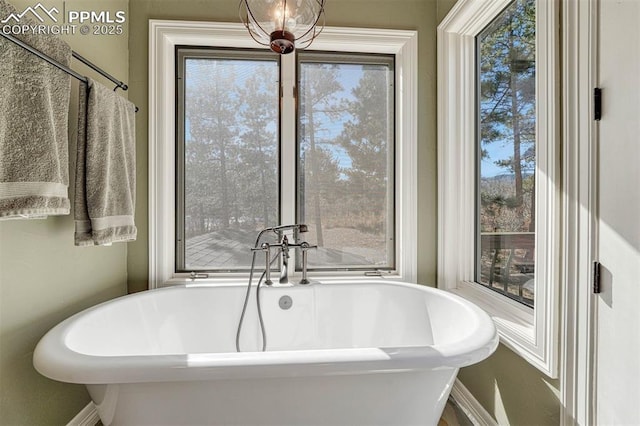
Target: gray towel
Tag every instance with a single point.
(34, 112)
(105, 194)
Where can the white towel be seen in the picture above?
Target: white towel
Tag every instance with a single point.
(105, 192)
(34, 114)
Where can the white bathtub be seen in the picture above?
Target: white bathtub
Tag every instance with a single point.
(345, 353)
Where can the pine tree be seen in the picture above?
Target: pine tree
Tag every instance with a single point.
(210, 149)
(319, 103)
(365, 138)
(259, 147)
(507, 98)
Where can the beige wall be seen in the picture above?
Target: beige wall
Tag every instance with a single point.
(407, 14)
(44, 278)
(508, 387)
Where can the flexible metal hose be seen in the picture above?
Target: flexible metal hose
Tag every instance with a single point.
(248, 293)
(244, 306)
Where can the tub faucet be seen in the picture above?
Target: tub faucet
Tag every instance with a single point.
(284, 266)
(284, 245)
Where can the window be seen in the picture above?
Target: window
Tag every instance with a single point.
(506, 153)
(227, 159)
(498, 168)
(240, 139)
(345, 159)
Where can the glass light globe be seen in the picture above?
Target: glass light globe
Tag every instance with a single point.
(283, 25)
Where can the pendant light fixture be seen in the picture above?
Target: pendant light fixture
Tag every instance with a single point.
(283, 25)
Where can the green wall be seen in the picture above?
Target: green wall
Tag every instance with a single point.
(512, 391)
(507, 386)
(44, 278)
(406, 14)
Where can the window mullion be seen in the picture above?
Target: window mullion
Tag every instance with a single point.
(288, 151)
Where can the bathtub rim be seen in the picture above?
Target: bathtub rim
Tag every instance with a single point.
(54, 359)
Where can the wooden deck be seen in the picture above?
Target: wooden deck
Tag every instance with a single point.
(231, 250)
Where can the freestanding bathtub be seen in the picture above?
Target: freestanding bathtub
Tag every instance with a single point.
(343, 353)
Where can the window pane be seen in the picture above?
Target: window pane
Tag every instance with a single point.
(230, 158)
(345, 159)
(507, 160)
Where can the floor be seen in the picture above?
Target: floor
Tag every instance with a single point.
(454, 416)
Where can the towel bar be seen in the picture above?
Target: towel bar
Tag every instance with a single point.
(119, 84)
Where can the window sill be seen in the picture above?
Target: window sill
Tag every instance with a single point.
(515, 323)
(241, 278)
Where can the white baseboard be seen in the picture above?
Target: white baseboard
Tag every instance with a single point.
(87, 417)
(471, 407)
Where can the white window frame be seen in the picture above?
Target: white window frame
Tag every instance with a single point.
(530, 332)
(165, 35)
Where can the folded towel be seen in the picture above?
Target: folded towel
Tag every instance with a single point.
(105, 192)
(34, 112)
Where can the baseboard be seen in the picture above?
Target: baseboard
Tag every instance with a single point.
(471, 407)
(87, 417)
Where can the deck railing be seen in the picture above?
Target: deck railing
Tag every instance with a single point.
(512, 263)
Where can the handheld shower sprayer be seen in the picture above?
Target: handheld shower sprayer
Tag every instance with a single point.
(301, 227)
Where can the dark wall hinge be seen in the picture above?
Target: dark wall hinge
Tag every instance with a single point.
(596, 277)
(597, 104)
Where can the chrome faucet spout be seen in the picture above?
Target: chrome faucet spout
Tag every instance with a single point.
(284, 265)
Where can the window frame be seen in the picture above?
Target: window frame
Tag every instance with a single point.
(530, 332)
(165, 35)
(184, 53)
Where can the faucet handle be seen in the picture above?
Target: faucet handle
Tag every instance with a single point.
(304, 247)
(266, 248)
(263, 247)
